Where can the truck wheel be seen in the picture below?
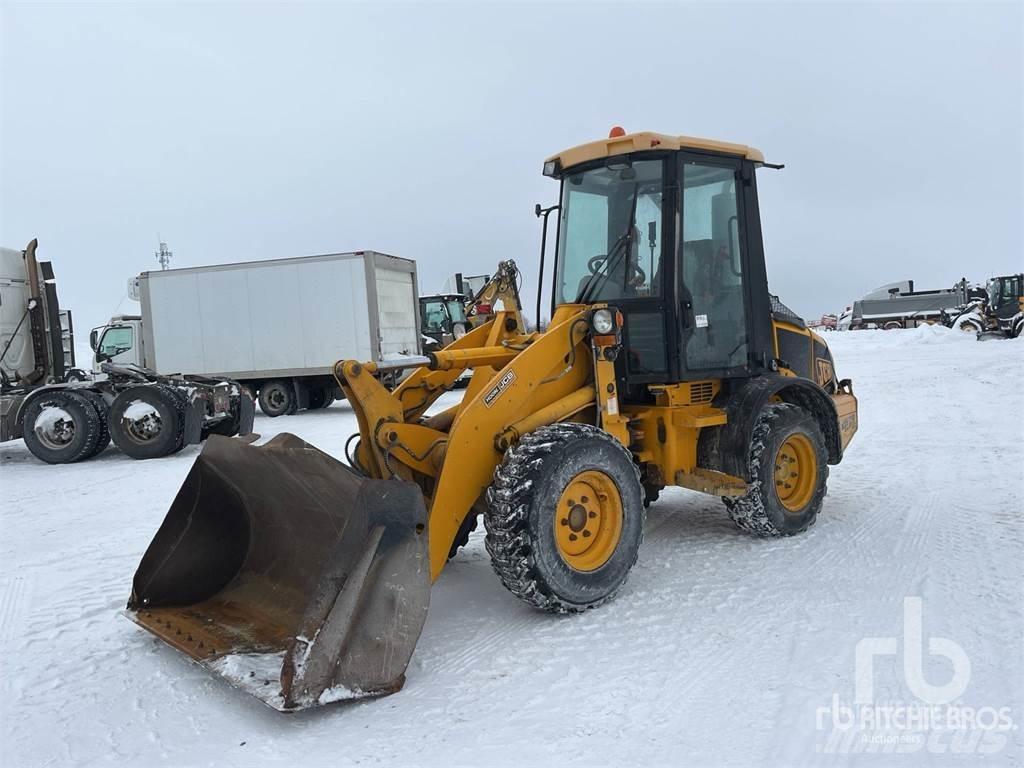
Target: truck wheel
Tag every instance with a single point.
(320, 397)
(787, 462)
(103, 440)
(147, 421)
(75, 375)
(565, 517)
(1017, 326)
(277, 398)
(892, 325)
(61, 427)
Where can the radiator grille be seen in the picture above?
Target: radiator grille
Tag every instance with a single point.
(701, 392)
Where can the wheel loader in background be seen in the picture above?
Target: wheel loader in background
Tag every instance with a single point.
(666, 362)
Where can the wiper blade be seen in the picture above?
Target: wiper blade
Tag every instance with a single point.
(622, 245)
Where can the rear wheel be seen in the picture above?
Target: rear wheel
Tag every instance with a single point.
(320, 397)
(565, 517)
(147, 422)
(787, 464)
(61, 427)
(277, 398)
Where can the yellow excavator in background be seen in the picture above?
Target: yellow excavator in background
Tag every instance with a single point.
(666, 362)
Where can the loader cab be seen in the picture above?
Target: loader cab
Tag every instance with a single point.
(1005, 295)
(670, 235)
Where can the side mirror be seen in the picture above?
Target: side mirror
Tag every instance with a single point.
(101, 357)
(94, 337)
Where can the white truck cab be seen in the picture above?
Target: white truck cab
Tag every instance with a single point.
(120, 341)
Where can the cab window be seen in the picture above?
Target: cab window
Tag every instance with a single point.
(116, 340)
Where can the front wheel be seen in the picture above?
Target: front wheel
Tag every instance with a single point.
(788, 469)
(565, 517)
(62, 427)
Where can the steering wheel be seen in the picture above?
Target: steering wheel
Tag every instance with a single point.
(595, 263)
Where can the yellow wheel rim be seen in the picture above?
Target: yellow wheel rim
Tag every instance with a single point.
(588, 521)
(796, 472)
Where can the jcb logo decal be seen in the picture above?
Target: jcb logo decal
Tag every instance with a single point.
(498, 389)
(825, 372)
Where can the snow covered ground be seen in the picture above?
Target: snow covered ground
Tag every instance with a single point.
(722, 649)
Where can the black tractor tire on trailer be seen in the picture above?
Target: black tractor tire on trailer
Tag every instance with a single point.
(525, 507)
(78, 435)
(277, 398)
(169, 406)
(103, 440)
(763, 511)
(320, 397)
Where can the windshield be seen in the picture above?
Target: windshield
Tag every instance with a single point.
(439, 314)
(609, 234)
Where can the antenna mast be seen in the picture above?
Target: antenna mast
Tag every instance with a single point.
(163, 255)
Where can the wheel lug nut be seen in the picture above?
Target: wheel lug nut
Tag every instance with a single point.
(573, 537)
(565, 521)
(592, 515)
(584, 499)
(586, 533)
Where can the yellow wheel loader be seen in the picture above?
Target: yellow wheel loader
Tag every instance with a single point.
(304, 580)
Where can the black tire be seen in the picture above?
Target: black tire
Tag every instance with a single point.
(103, 439)
(320, 397)
(75, 375)
(1016, 326)
(277, 398)
(523, 510)
(892, 325)
(71, 436)
(148, 440)
(969, 323)
(762, 511)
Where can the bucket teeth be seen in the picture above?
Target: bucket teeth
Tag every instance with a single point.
(282, 570)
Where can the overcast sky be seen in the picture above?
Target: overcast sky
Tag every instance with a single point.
(253, 131)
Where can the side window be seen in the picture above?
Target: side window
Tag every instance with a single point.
(712, 267)
(586, 236)
(116, 340)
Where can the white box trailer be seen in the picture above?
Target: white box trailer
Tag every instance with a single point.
(276, 326)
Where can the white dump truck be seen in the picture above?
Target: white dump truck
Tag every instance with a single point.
(65, 418)
(276, 326)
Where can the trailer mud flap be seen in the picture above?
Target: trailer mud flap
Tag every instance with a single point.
(285, 572)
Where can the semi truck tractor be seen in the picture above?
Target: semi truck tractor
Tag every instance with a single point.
(64, 418)
(276, 326)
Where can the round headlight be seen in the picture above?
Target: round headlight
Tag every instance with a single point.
(603, 321)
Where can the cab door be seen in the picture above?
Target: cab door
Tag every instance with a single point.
(719, 261)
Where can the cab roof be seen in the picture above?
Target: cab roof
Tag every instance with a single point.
(647, 141)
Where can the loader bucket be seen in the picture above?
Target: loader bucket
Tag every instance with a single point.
(285, 572)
